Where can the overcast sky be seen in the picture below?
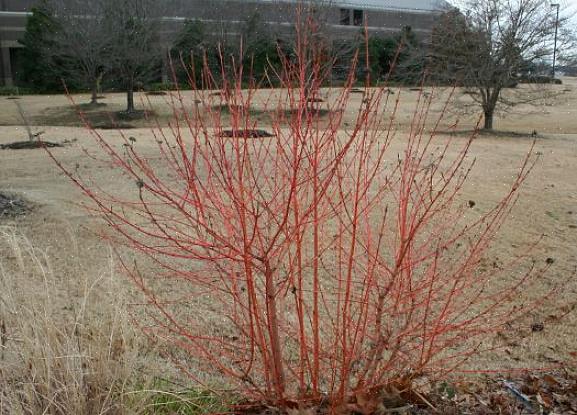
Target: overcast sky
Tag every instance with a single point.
(570, 7)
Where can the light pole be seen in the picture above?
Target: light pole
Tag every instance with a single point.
(555, 46)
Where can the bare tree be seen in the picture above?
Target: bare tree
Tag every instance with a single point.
(80, 44)
(135, 52)
(491, 45)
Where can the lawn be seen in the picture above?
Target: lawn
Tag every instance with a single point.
(63, 299)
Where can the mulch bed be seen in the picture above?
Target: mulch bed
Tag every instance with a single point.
(120, 126)
(246, 133)
(12, 206)
(136, 115)
(29, 145)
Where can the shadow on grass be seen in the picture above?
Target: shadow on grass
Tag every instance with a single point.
(265, 115)
(107, 117)
(95, 116)
(493, 134)
(87, 106)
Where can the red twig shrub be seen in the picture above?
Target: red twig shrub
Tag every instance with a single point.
(317, 265)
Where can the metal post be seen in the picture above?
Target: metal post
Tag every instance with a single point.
(555, 46)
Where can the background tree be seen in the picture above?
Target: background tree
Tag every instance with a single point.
(81, 44)
(39, 71)
(486, 50)
(188, 51)
(260, 50)
(402, 52)
(382, 52)
(135, 53)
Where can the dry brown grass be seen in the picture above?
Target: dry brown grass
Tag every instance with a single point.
(77, 359)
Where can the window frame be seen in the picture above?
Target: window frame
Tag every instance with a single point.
(345, 17)
(358, 17)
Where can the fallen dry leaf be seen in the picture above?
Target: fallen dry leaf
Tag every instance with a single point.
(544, 400)
(551, 381)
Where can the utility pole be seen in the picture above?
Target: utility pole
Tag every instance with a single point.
(555, 46)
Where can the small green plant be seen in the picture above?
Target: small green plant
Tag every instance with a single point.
(166, 399)
(447, 389)
(552, 215)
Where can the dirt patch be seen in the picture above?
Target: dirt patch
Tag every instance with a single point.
(12, 206)
(29, 145)
(159, 93)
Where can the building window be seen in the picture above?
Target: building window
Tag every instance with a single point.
(345, 17)
(358, 17)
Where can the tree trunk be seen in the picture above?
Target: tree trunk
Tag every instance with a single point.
(130, 99)
(489, 106)
(94, 92)
(489, 115)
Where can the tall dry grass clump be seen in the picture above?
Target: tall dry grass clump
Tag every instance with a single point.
(326, 264)
(60, 354)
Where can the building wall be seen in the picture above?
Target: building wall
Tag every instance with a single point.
(17, 5)
(12, 26)
(227, 16)
(285, 13)
(4, 79)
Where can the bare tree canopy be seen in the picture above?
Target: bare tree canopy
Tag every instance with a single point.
(80, 44)
(133, 27)
(492, 45)
(119, 37)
